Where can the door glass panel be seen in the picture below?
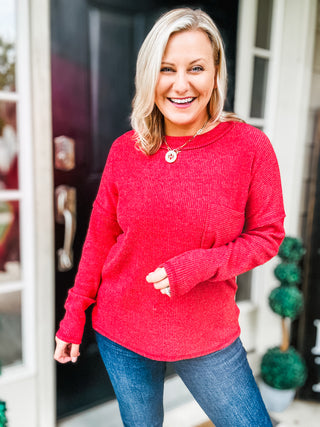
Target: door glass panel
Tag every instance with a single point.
(8, 146)
(111, 79)
(10, 329)
(264, 19)
(112, 74)
(9, 242)
(259, 86)
(244, 287)
(7, 45)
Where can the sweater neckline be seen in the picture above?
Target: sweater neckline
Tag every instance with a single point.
(200, 140)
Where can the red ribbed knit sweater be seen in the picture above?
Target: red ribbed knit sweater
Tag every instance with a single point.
(214, 213)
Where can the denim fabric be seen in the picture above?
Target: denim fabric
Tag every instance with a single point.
(221, 382)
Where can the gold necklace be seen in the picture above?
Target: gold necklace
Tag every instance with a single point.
(172, 153)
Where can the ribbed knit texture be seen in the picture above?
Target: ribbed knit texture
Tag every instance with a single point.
(210, 216)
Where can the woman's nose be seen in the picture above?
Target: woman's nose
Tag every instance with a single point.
(181, 83)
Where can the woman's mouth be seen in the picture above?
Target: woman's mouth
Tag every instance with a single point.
(182, 102)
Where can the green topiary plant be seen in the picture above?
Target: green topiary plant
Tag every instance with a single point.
(276, 362)
(291, 250)
(282, 367)
(3, 418)
(285, 301)
(288, 273)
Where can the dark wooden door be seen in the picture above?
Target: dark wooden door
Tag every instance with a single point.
(93, 55)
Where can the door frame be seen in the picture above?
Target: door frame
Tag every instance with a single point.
(286, 119)
(288, 136)
(44, 209)
(297, 24)
(247, 51)
(28, 388)
(295, 15)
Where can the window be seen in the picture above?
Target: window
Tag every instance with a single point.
(16, 222)
(258, 61)
(257, 67)
(261, 62)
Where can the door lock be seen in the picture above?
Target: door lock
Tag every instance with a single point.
(64, 153)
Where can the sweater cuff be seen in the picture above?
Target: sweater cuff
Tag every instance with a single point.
(72, 325)
(71, 332)
(184, 272)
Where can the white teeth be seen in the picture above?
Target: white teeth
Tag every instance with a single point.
(181, 101)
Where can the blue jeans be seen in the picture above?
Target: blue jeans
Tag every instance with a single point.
(221, 382)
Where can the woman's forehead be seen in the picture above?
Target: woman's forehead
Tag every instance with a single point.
(188, 43)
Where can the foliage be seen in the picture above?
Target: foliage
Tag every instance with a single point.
(288, 273)
(7, 65)
(291, 249)
(3, 418)
(283, 370)
(286, 301)
(282, 367)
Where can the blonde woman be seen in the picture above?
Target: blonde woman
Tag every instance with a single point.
(189, 199)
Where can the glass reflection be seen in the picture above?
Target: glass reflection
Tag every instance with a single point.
(259, 87)
(9, 241)
(8, 146)
(10, 329)
(264, 21)
(244, 287)
(7, 45)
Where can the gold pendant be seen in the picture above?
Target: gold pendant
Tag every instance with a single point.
(171, 156)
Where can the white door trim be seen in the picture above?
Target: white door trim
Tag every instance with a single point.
(287, 106)
(44, 210)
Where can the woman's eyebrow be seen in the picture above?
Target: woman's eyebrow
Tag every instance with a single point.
(192, 62)
(166, 62)
(197, 60)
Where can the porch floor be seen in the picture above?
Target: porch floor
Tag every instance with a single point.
(182, 411)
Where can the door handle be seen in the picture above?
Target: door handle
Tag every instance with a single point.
(66, 214)
(316, 349)
(316, 387)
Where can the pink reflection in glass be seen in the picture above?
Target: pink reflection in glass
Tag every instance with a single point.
(9, 241)
(8, 146)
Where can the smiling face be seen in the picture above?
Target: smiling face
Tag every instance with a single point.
(186, 81)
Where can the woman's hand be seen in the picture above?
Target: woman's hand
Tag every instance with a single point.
(66, 352)
(160, 280)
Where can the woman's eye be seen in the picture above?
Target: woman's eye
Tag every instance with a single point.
(166, 69)
(197, 68)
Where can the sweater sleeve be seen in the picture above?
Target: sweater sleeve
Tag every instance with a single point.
(257, 243)
(101, 236)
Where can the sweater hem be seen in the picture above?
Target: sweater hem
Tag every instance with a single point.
(169, 358)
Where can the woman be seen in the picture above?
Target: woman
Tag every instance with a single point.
(189, 199)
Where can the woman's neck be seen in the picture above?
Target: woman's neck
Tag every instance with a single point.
(190, 131)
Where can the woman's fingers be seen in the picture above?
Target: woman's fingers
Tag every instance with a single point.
(157, 275)
(74, 353)
(158, 278)
(66, 352)
(162, 284)
(61, 353)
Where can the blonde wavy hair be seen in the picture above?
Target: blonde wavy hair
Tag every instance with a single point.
(146, 119)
